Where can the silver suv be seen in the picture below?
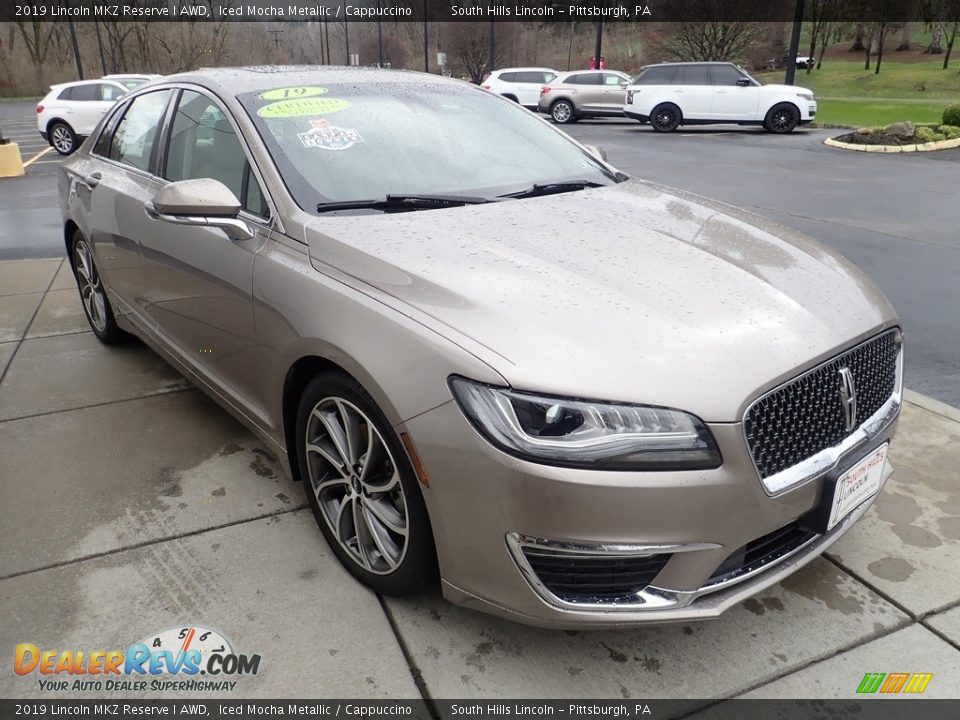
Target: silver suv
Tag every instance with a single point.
(584, 94)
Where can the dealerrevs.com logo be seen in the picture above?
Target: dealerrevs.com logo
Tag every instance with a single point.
(172, 660)
(894, 683)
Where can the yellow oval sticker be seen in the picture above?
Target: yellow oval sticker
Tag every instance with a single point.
(302, 108)
(289, 93)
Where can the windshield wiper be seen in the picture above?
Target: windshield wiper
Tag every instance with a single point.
(403, 202)
(554, 187)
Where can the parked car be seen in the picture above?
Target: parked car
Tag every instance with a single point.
(672, 94)
(522, 85)
(386, 276)
(132, 80)
(584, 94)
(70, 111)
(804, 61)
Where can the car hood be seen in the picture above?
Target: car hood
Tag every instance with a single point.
(633, 292)
(794, 89)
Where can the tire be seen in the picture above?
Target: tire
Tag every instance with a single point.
(62, 138)
(563, 112)
(374, 485)
(93, 296)
(781, 118)
(665, 117)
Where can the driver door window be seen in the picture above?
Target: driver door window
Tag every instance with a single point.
(203, 144)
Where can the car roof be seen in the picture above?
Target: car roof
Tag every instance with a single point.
(704, 62)
(96, 81)
(122, 76)
(526, 69)
(239, 80)
(567, 73)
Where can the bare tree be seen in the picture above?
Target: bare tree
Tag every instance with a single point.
(39, 39)
(820, 19)
(711, 40)
(469, 44)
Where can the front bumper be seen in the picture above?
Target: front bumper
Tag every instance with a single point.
(481, 501)
(630, 113)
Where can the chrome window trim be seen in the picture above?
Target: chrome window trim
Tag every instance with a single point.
(821, 463)
(273, 222)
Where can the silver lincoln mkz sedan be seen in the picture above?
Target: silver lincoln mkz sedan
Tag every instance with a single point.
(580, 398)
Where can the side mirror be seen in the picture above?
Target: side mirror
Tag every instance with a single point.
(200, 202)
(597, 152)
(743, 82)
(624, 84)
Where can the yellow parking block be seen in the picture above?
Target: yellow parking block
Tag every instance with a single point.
(10, 163)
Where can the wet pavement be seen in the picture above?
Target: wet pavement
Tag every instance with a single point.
(133, 504)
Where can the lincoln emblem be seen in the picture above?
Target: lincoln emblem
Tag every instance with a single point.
(848, 396)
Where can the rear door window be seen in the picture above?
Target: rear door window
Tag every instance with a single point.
(694, 75)
(657, 75)
(85, 93)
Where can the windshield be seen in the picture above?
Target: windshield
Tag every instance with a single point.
(354, 142)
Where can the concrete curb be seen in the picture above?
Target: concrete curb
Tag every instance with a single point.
(922, 147)
(931, 404)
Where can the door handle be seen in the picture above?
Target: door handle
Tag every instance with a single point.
(90, 181)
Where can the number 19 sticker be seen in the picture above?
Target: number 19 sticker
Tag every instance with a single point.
(289, 93)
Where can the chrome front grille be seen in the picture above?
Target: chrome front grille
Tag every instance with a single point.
(810, 414)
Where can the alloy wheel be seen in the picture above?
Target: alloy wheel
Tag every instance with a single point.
(357, 485)
(91, 289)
(665, 119)
(62, 139)
(782, 120)
(562, 112)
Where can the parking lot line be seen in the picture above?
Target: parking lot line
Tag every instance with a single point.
(37, 156)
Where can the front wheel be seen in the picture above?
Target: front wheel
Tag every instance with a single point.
(665, 117)
(362, 490)
(782, 118)
(93, 296)
(62, 138)
(562, 112)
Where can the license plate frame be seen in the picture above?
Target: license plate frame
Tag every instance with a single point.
(855, 486)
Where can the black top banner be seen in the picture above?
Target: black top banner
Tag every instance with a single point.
(581, 709)
(561, 11)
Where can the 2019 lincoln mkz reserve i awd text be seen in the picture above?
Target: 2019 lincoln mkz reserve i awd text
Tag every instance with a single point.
(575, 397)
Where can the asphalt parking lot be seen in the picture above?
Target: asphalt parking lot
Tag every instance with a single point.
(132, 504)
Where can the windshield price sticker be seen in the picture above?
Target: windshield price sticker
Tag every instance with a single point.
(303, 107)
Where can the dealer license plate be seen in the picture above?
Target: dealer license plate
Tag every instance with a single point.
(860, 482)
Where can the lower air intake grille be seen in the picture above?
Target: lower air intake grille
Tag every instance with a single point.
(591, 578)
(762, 552)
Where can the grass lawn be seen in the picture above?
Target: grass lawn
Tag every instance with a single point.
(849, 95)
(873, 113)
(847, 79)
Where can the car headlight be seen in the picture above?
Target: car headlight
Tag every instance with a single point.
(805, 96)
(586, 434)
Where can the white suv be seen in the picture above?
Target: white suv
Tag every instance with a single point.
(673, 94)
(70, 111)
(521, 85)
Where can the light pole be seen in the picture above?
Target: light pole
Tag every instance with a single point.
(493, 49)
(103, 59)
(794, 43)
(599, 46)
(426, 52)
